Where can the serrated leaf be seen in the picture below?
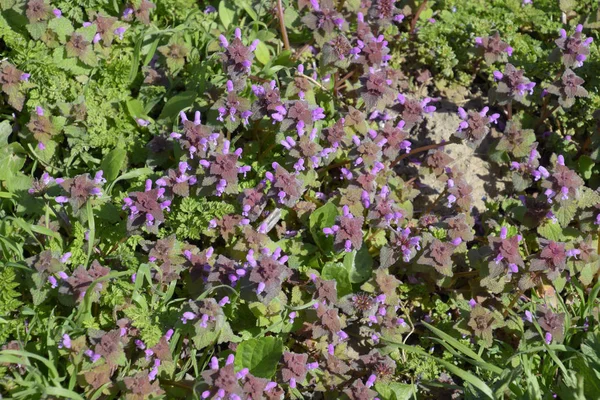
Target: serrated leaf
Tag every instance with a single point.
(551, 231)
(37, 29)
(10, 160)
(567, 5)
(261, 356)
(394, 391)
(565, 213)
(588, 272)
(62, 27)
(88, 32)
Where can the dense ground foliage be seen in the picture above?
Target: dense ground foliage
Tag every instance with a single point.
(267, 199)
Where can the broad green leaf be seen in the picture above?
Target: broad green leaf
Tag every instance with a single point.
(177, 103)
(261, 356)
(337, 272)
(262, 53)
(359, 265)
(62, 27)
(37, 29)
(5, 131)
(10, 161)
(323, 217)
(226, 14)
(112, 163)
(565, 212)
(586, 165)
(550, 231)
(394, 390)
(135, 108)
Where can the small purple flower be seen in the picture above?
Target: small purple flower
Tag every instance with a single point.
(371, 381)
(187, 316)
(120, 31)
(57, 13)
(25, 77)
(472, 303)
(65, 342)
(92, 356)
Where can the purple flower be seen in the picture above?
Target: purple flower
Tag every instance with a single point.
(92, 356)
(187, 316)
(65, 342)
(475, 125)
(120, 31)
(57, 13)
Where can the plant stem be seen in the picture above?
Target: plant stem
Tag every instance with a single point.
(413, 23)
(286, 42)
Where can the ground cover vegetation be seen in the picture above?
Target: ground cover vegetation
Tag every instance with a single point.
(319, 199)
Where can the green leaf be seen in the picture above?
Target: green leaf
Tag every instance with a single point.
(359, 265)
(567, 5)
(62, 27)
(262, 53)
(177, 103)
(565, 212)
(426, 14)
(394, 391)
(225, 14)
(112, 163)
(88, 32)
(261, 356)
(323, 217)
(5, 131)
(290, 16)
(135, 63)
(248, 8)
(37, 29)
(551, 231)
(338, 273)
(135, 108)
(10, 161)
(586, 165)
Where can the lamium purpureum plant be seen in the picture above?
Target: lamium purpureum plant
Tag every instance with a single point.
(313, 199)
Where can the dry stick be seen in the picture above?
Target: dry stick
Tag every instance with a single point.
(413, 23)
(343, 79)
(332, 166)
(419, 150)
(286, 42)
